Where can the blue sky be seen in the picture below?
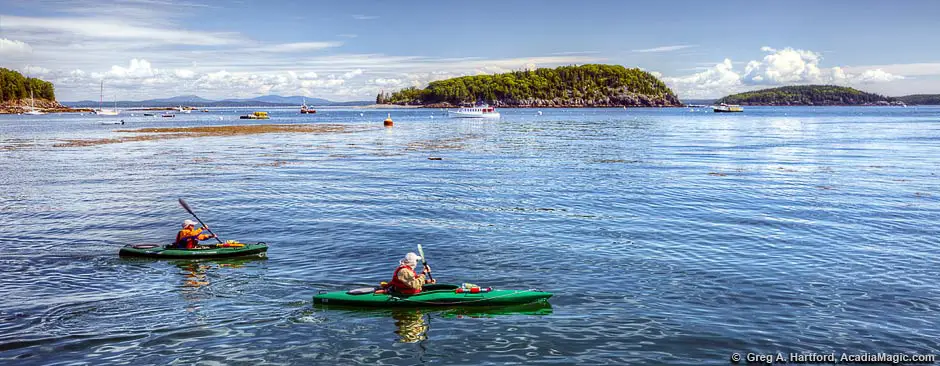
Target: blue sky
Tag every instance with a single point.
(352, 49)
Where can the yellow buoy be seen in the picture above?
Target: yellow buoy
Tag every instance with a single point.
(388, 121)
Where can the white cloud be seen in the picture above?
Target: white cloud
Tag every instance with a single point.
(184, 73)
(298, 47)
(876, 76)
(778, 67)
(219, 74)
(14, 47)
(137, 69)
(784, 66)
(720, 77)
(915, 69)
(348, 35)
(352, 74)
(102, 28)
(364, 17)
(387, 82)
(665, 48)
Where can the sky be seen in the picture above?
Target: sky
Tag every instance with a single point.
(351, 50)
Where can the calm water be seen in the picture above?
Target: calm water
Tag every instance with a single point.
(668, 236)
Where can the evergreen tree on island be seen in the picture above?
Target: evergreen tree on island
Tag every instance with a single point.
(567, 86)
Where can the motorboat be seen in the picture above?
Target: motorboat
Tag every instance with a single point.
(480, 111)
(255, 115)
(306, 110)
(725, 108)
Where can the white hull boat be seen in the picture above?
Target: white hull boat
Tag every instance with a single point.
(474, 112)
(105, 112)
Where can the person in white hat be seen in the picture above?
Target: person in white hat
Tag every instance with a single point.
(189, 236)
(406, 280)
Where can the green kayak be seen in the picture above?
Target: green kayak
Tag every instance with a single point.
(431, 295)
(226, 250)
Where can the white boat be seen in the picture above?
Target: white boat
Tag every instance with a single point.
(304, 109)
(482, 111)
(724, 108)
(32, 104)
(105, 112)
(183, 110)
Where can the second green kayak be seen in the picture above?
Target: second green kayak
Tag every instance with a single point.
(227, 250)
(431, 295)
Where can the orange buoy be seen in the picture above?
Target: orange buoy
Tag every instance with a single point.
(388, 121)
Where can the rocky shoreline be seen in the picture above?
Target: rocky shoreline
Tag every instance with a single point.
(47, 106)
(616, 101)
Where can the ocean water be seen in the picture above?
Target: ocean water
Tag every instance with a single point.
(669, 236)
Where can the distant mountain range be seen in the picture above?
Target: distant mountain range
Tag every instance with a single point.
(196, 101)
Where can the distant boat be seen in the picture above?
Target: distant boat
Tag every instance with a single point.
(167, 115)
(695, 105)
(105, 112)
(32, 104)
(183, 110)
(148, 114)
(481, 111)
(255, 115)
(306, 110)
(725, 108)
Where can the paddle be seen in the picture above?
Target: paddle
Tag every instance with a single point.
(183, 203)
(425, 261)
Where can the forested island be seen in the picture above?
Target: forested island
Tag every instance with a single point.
(808, 95)
(921, 99)
(567, 86)
(14, 93)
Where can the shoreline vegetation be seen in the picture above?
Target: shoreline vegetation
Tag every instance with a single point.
(592, 85)
(149, 134)
(17, 92)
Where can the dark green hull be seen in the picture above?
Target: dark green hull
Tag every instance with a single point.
(432, 296)
(159, 251)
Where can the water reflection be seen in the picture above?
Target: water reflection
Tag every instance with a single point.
(413, 325)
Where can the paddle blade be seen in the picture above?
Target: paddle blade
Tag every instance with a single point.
(421, 253)
(185, 206)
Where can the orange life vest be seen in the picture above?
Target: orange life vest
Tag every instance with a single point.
(188, 238)
(399, 286)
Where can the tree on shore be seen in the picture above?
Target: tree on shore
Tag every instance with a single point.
(15, 86)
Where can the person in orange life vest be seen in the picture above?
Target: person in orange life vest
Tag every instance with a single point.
(189, 236)
(406, 280)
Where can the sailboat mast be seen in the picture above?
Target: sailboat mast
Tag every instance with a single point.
(101, 95)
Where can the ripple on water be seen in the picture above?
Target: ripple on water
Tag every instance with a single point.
(667, 237)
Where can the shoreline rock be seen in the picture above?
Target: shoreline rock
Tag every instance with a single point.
(47, 106)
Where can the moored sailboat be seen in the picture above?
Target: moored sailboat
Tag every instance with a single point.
(105, 112)
(32, 105)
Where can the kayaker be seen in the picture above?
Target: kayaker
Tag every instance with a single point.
(189, 236)
(405, 280)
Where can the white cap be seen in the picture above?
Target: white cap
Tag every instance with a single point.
(189, 223)
(411, 259)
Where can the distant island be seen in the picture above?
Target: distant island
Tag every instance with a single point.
(14, 94)
(567, 86)
(921, 99)
(821, 95)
